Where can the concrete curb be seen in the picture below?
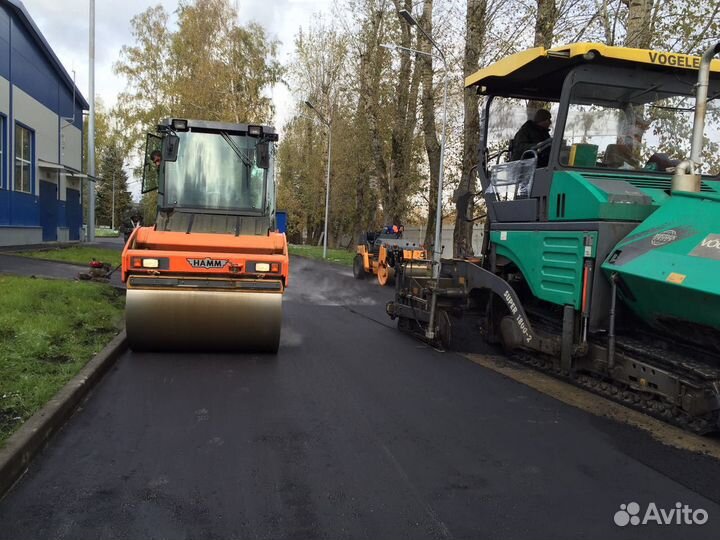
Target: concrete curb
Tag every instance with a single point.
(31, 438)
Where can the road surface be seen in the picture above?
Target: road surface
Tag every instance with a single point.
(353, 431)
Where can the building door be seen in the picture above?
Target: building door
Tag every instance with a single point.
(73, 213)
(48, 210)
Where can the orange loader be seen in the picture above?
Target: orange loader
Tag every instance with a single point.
(379, 252)
(211, 273)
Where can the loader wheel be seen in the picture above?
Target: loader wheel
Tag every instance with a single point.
(358, 268)
(385, 274)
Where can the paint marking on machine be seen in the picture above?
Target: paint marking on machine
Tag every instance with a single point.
(709, 248)
(665, 237)
(679, 60)
(676, 278)
(519, 319)
(207, 263)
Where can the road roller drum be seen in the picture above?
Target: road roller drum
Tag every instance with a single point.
(205, 320)
(211, 272)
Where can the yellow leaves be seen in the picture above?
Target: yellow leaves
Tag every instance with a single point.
(209, 68)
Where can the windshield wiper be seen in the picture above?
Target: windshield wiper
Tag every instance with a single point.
(236, 149)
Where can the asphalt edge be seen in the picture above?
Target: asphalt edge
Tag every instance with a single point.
(323, 261)
(34, 434)
(29, 257)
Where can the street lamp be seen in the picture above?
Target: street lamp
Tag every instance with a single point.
(437, 249)
(91, 129)
(327, 181)
(112, 215)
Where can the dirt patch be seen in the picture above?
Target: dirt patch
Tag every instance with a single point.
(9, 420)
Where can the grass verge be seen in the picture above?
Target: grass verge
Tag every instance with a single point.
(106, 233)
(49, 329)
(340, 256)
(77, 254)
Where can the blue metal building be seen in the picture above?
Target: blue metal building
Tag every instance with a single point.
(41, 134)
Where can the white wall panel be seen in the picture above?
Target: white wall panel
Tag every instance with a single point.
(417, 235)
(4, 96)
(71, 146)
(5, 109)
(18, 236)
(43, 121)
(35, 115)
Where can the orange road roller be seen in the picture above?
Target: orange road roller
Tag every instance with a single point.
(378, 253)
(211, 273)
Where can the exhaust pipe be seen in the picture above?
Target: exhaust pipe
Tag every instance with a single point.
(687, 173)
(685, 178)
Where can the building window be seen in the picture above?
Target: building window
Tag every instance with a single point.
(23, 159)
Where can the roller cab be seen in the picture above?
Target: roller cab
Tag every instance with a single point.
(211, 272)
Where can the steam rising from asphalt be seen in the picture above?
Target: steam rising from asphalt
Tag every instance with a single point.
(326, 285)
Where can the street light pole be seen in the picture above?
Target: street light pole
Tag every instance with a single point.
(91, 130)
(327, 180)
(112, 218)
(437, 248)
(327, 194)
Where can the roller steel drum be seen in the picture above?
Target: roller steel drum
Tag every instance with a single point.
(418, 269)
(171, 319)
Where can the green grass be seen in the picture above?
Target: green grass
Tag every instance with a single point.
(106, 233)
(49, 329)
(340, 256)
(77, 254)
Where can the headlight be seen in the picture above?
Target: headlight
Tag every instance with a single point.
(179, 124)
(262, 267)
(160, 263)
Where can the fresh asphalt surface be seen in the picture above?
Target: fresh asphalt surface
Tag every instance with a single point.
(352, 431)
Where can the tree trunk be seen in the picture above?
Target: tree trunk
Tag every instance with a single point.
(639, 23)
(391, 170)
(638, 35)
(547, 15)
(404, 120)
(464, 204)
(369, 84)
(432, 146)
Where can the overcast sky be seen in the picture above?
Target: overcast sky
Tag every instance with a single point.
(64, 24)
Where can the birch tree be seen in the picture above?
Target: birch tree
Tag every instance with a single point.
(429, 128)
(475, 25)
